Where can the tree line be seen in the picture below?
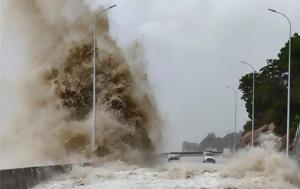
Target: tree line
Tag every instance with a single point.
(271, 83)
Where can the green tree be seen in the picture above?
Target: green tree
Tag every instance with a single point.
(271, 90)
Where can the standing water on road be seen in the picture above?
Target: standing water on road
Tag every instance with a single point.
(261, 167)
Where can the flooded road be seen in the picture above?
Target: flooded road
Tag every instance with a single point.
(188, 173)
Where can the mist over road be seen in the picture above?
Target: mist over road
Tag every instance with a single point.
(261, 167)
(188, 173)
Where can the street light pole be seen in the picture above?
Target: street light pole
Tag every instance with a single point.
(289, 84)
(235, 102)
(253, 95)
(94, 78)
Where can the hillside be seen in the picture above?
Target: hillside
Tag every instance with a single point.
(212, 142)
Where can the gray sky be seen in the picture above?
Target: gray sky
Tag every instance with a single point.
(193, 49)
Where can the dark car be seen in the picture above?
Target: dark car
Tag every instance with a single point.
(173, 157)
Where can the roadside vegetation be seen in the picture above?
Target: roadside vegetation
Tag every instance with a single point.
(271, 91)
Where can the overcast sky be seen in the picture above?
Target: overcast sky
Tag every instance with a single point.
(193, 49)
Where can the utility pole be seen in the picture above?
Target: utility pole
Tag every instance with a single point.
(253, 100)
(94, 78)
(289, 82)
(235, 102)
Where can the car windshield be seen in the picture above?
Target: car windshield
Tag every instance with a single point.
(209, 154)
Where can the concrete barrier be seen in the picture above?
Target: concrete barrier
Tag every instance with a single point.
(24, 178)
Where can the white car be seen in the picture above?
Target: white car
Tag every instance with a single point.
(173, 157)
(209, 157)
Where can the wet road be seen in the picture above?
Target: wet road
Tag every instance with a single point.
(190, 172)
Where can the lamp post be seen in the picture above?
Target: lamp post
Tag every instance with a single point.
(94, 77)
(289, 83)
(235, 102)
(253, 95)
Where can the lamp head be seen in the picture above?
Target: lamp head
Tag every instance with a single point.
(111, 7)
(272, 10)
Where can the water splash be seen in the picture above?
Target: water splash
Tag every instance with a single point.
(265, 162)
(54, 126)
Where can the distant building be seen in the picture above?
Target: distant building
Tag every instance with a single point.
(190, 147)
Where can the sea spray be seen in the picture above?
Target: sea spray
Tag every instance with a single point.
(171, 175)
(54, 126)
(264, 161)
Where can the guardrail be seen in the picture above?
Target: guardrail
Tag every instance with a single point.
(191, 153)
(24, 178)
